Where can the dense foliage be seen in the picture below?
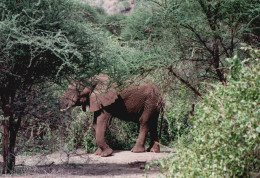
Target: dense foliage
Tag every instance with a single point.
(50, 34)
(42, 42)
(195, 37)
(225, 133)
(180, 45)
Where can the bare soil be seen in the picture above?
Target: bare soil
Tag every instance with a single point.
(80, 164)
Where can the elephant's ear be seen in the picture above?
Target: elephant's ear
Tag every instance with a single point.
(104, 94)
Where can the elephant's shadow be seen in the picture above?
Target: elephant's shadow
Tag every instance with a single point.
(98, 169)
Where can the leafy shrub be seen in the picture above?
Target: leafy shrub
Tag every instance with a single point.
(225, 131)
(122, 135)
(142, 24)
(80, 132)
(177, 122)
(114, 23)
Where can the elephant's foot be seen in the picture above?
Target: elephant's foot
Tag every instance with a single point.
(106, 152)
(154, 148)
(98, 151)
(138, 149)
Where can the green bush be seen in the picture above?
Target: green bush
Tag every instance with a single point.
(114, 23)
(80, 132)
(177, 122)
(122, 135)
(225, 131)
(142, 24)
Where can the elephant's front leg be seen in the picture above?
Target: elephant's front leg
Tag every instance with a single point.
(102, 122)
(98, 151)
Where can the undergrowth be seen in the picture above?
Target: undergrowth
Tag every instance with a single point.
(225, 133)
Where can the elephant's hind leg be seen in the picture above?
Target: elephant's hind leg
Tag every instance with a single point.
(98, 151)
(154, 144)
(154, 147)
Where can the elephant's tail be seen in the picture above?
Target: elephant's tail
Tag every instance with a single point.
(162, 116)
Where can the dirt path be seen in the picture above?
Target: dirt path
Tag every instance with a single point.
(79, 164)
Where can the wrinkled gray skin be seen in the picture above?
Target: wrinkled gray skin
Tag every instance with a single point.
(141, 104)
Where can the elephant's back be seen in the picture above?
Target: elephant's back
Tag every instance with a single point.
(142, 96)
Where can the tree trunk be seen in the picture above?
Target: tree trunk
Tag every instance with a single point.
(211, 14)
(13, 129)
(9, 136)
(11, 161)
(5, 151)
(216, 61)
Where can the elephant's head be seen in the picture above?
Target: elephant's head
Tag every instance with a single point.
(99, 93)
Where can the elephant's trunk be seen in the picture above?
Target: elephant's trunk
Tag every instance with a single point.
(68, 100)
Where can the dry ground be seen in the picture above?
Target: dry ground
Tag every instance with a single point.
(79, 164)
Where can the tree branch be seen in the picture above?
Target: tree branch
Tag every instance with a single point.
(184, 81)
(199, 37)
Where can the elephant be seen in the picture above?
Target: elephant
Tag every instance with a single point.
(140, 103)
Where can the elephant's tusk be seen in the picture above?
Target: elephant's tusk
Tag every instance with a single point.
(63, 110)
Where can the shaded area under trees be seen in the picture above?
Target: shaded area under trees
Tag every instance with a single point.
(41, 41)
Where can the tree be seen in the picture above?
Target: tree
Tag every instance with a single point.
(214, 30)
(41, 41)
(191, 38)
